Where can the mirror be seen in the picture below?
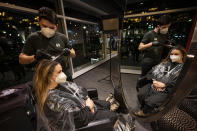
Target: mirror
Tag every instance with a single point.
(134, 28)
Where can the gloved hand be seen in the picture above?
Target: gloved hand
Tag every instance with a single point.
(155, 43)
(41, 54)
(67, 51)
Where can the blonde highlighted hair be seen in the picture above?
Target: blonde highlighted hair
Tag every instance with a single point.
(41, 81)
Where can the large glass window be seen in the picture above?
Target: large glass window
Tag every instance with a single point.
(145, 6)
(14, 29)
(87, 41)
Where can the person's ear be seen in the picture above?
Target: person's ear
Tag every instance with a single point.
(52, 79)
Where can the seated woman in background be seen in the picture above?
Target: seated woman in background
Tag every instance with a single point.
(55, 95)
(159, 82)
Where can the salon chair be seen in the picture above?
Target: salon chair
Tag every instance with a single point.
(99, 125)
(18, 111)
(189, 106)
(176, 120)
(183, 116)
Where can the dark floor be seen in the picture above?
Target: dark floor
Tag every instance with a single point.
(129, 88)
(92, 79)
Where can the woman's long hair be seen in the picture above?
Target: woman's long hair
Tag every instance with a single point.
(41, 81)
(181, 49)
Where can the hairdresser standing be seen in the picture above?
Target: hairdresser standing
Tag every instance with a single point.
(153, 44)
(47, 40)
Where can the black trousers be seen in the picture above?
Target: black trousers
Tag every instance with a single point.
(150, 98)
(103, 111)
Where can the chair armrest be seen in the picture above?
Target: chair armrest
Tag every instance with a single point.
(92, 93)
(99, 125)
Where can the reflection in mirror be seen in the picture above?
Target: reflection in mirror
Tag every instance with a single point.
(158, 83)
(87, 41)
(133, 82)
(15, 27)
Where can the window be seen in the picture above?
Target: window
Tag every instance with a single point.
(87, 42)
(14, 29)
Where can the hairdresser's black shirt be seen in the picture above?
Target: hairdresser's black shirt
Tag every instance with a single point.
(154, 52)
(54, 45)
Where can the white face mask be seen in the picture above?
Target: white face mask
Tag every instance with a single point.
(175, 58)
(61, 78)
(47, 32)
(164, 31)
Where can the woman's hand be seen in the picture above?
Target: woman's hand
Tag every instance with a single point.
(159, 86)
(90, 104)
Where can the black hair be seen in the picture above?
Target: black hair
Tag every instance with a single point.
(48, 14)
(164, 20)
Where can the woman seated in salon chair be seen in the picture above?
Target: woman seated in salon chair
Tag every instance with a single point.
(159, 82)
(54, 95)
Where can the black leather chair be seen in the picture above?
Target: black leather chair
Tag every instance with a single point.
(99, 125)
(92, 93)
(18, 111)
(176, 120)
(189, 106)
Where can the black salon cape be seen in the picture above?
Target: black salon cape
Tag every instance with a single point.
(61, 100)
(166, 73)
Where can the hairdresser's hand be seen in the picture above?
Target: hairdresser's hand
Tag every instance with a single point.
(38, 55)
(67, 51)
(90, 104)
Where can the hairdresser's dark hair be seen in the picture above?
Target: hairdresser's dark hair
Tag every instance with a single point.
(164, 20)
(48, 14)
